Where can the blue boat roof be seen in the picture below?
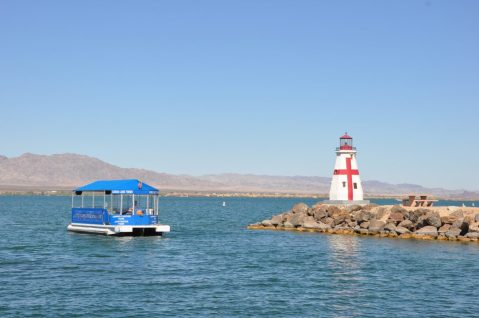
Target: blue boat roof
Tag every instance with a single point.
(129, 186)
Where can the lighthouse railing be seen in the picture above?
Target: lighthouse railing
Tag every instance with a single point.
(345, 148)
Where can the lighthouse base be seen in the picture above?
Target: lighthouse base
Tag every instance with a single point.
(346, 202)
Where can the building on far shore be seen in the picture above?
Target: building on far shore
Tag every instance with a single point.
(346, 188)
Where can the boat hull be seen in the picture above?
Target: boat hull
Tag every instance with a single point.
(120, 230)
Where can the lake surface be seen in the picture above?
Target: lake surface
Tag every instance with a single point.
(210, 265)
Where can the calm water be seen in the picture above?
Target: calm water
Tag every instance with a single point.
(211, 265)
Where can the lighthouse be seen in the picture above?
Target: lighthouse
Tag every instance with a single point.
(346, 184)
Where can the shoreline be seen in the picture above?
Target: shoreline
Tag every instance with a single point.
(207, 194)
(352, 233)
(201, 194)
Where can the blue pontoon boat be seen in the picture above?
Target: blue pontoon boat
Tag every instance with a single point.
(116, 207)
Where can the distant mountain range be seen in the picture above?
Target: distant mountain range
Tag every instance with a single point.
(66, 171)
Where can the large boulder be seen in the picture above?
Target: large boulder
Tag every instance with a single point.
(317, 205)
(287, 216)
(469, 219)
(473, 235)
(319, 214)
(369, 207)
(351, 223)
(391, 227)
(300, 208)
(433, 219)
(341, 217)
(453, 217)
(336, 213)
(327, 220)
(402, 230)
(428, 230)
(331, 210)
(362, 216)
(462, 225)
(430, 218)
(364, 225)
(443, 229)
(396, 217)
(277, 219)
(453, 232)
(288, 225)
(314, 208)
(449, 219)
(414, 215)
(324, 227)
(476, 218)
(399, 209)
(473, 227)
(342, 226)
(458, 214)
(353, 208)
(308, 218)
(421, 222)
(376, 226)
(297, 219)
(453, 208)
(380, 212)
(266, 223)
(407, 224)
(310, 223)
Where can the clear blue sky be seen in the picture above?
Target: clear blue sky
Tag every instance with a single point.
(262, 87)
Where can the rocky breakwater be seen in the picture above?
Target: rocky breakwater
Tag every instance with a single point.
(435, 223)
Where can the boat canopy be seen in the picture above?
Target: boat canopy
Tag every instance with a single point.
(130, 186)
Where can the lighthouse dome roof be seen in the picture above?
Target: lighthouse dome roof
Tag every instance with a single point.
(346, 136)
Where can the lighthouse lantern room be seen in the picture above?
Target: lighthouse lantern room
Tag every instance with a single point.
(346, 184)
(346, 142)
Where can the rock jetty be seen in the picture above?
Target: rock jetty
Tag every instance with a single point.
(435, 223)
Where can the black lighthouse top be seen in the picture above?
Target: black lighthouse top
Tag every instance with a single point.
(346, 142)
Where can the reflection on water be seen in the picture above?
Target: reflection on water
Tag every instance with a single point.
(344, 250)
(344, 259)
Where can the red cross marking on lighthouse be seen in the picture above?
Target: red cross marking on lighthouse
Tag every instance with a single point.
(349, 173)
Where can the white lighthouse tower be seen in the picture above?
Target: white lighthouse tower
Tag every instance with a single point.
(346, 185)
